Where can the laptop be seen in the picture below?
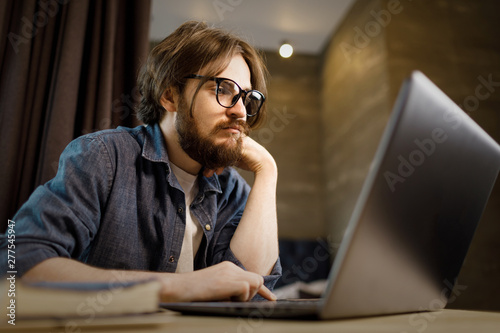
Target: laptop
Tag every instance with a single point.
(413, 221)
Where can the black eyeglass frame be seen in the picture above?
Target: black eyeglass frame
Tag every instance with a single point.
(241, 93)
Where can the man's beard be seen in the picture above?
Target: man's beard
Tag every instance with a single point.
(203, 149)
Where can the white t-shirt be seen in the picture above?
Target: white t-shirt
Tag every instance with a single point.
(193, 233)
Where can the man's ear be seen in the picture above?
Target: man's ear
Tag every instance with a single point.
(169, 100)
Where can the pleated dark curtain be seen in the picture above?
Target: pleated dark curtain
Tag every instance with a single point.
(67, 68)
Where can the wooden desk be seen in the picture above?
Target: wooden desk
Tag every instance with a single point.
(455, 321)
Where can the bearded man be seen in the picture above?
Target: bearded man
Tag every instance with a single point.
(162, 200)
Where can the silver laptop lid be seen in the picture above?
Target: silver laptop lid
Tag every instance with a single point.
(418, 209)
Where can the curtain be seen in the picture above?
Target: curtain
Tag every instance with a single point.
(67, 68)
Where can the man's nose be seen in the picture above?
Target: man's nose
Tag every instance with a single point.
(238, 110)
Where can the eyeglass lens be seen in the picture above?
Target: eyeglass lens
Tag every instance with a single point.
(228, 94)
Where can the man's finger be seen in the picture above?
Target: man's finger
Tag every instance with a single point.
(266, 293)
(208, 173)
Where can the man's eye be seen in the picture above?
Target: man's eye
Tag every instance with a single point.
(223, 91)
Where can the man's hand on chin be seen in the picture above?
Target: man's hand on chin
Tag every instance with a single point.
(255, 158)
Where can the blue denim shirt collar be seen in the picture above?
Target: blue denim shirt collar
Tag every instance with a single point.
(155, 150)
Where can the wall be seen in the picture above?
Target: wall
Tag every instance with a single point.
(291, 135)
(356, 107)
(454, 42)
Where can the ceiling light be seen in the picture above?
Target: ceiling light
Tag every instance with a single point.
(286, 50)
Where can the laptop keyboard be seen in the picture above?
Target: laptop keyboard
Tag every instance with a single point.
(282, 308)
(299, 301)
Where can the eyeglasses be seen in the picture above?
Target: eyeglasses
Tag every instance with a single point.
(229, 92)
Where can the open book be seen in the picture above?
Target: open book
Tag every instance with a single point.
(80, 300)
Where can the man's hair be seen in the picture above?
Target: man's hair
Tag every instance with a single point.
(193, 47)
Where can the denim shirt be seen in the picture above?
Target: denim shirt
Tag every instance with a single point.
(115, 203)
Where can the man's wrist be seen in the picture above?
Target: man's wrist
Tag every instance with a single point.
(170, 290)
(267, 170)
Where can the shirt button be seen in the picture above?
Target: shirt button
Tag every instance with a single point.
(207, 227)
(171, 259)
(179, 210)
